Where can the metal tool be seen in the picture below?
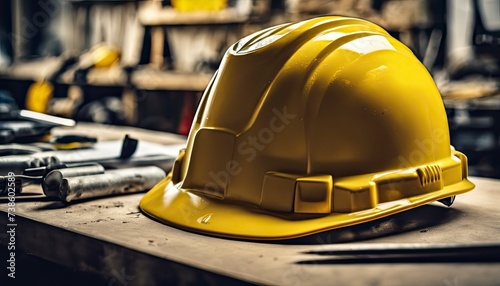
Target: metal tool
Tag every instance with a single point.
(163, 161)
(21, 149)
(33, 170)
(17, 164)
(6, 185)
(44, 118)
(407, 253)
(52, 181)
(119, 181)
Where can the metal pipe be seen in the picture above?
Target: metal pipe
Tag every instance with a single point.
(119, 181)
(52, 182)
(18, 163)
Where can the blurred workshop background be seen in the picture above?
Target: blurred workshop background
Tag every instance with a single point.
(146, 63)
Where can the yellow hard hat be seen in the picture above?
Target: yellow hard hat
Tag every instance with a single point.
(308, 127)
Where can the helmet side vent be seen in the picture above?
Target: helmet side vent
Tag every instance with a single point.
(429, 174)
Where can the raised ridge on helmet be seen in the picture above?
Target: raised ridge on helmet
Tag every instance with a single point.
(314, 27)
(244, 44)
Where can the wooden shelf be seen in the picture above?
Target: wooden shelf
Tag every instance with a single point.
(113, 76)
(151, 79)
(32, 70)
(151, 15)
(146, 78)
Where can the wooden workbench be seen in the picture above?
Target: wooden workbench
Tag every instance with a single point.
(111, 238)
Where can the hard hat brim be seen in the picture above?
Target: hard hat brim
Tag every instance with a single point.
(174, 206)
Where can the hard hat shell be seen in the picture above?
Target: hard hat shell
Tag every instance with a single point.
(307, 127)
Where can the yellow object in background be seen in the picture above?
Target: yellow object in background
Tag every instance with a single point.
(308, 127)
(199, 5)
(40, 92)
(38, 96)
(101, 56)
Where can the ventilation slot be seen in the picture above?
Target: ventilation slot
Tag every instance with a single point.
(429, 174)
